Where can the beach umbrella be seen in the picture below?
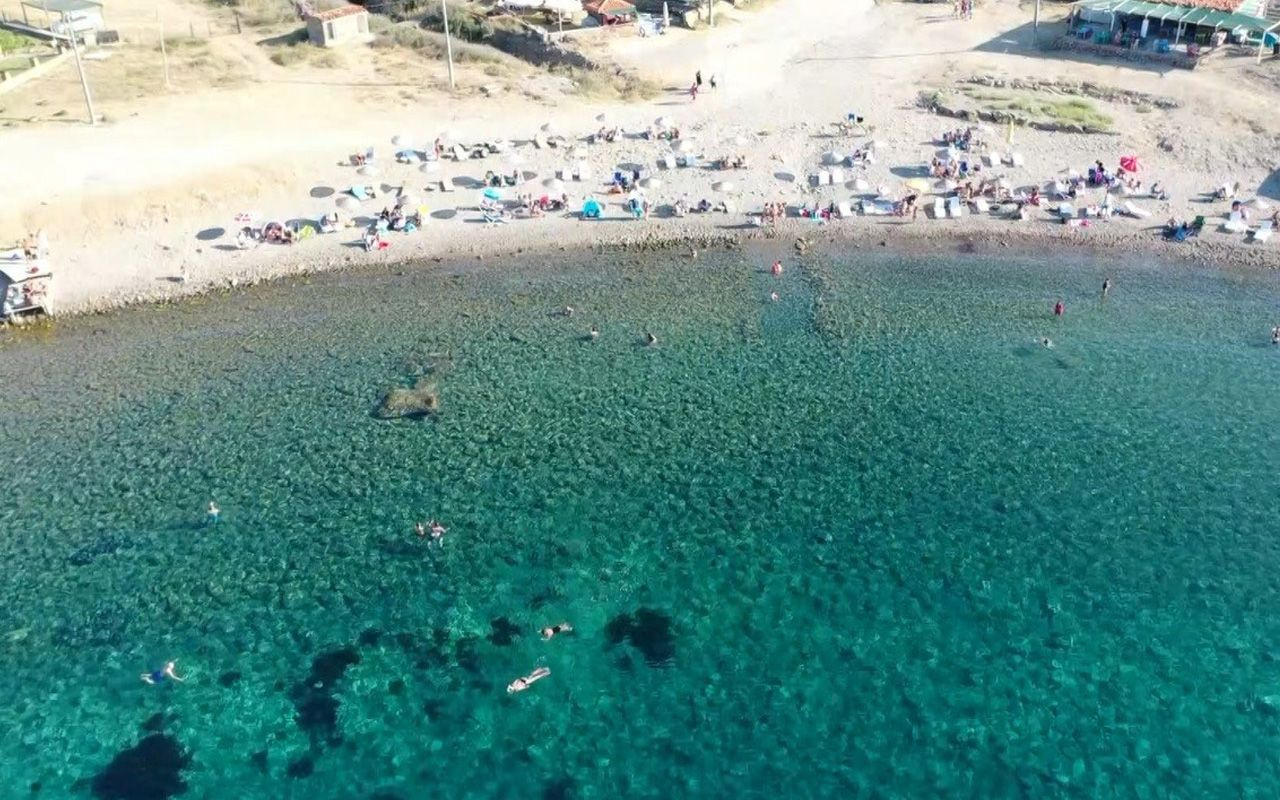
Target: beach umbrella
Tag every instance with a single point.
(832, 157)
(408, 199)
(402, 140)
(578, 152)
(348, 203)
(724, 186)
(492, 193)
(883, 190)
(860, 185)
(684, 146)
(918, 184)
(247, 217)
(602, 117)
(369, 171)
(547, 127)
(1130, 163)
(430, 167)
(514, 159)
(651, 183)
(1003, 183)
(740, 140)
(664, 122)
(554, 184)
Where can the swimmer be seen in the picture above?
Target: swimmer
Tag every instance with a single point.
(650, 339)
(437, 530)
(1106, 286)
(1275, 335)
(773, 296)
(776, 269)
(568, 311)
(1047, 342)
(158, 676)
(211, 514)
(420, 529)
(1059, 309)
(562, 627)
(594, 333)
(520, 684)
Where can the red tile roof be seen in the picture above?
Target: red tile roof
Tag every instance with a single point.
(337, 13)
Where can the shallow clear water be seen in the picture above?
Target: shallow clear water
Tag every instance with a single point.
(903, 549)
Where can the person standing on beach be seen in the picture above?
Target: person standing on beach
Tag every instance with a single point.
(697, 79)
(713, 81)
(1059, 309)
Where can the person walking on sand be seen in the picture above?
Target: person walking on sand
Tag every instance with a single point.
(713, 82)
(697, 79)
(693, 92)
(159, 676)
(212, 513)
(1059, 309)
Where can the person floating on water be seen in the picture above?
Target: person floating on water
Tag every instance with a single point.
(773, 296)
(650, 339)
(520, 684)
(1106, 286)
(562, 627)
(211, 514)
(158, 676)
(1059, 309)
(776, 269)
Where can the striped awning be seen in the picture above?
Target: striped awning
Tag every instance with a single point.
(1183, 15)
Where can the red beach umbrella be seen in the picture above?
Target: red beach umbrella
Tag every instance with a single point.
(1130, 163)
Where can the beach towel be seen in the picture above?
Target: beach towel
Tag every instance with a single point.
(358, 192)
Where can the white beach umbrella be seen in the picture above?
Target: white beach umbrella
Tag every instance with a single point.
(833, 157)
(369, 171)
(348, 203)
(547, 127)
(430, 167)
(554, 184)
(651, 183)
(724, 187)
(883, 190)
(684, 146)
(401, 140)
(514, 159)
(860, 185)
(664, 122)
(578, 152)
(740, 140)
(874, 144)
(407, 199)
(602, 117)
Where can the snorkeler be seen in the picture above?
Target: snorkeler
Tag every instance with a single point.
(211, 514)
(776, 269)
(520, 684)
(650, 339)
(562, 627)
(158, 676)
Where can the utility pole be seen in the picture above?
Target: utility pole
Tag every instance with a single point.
(164, 57)
(1035, 27)
(448, 42)
(711, 13)
(84, 82)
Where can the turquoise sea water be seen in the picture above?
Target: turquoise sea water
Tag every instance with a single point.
(871, 540)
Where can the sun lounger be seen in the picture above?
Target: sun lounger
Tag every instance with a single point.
(494, 217)
(980, 205)
(955, 209)
(730, 207)
(993, 159)
(459, 153)
(1235, 223)
(1065, 210)
(837, 177)
(582, 172)
(1263, 232)
(1016, 160)
(877, 208)
(446, 186)
(667, 161)
(1135, 212)
(843, 210)
(939, 208)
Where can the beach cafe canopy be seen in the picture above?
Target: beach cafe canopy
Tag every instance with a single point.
(62, 8)
(1181, 16)
(610, 11)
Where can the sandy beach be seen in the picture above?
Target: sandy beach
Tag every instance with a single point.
(143, 207)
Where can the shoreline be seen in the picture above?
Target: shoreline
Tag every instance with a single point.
(927, 236)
